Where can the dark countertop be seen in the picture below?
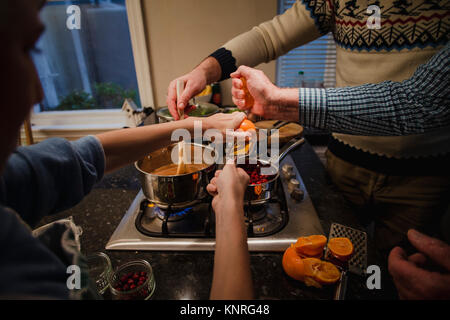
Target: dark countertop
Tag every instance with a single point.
(188, 275)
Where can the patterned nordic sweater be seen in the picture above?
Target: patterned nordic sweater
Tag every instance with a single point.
(410, 33)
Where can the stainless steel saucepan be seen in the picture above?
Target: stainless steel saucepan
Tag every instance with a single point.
(260, 193)
(175, 191)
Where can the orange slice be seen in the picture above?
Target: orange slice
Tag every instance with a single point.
(341, 248)
(311, 246)
(293, 264)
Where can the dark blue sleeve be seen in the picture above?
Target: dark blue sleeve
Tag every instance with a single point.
(51, 176)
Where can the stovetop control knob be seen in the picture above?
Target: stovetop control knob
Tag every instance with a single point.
(293, 184)
(287, 171)
(297, 194)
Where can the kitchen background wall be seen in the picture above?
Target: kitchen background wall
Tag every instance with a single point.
(180, 34)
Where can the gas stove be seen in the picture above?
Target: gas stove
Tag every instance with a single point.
(271, 226)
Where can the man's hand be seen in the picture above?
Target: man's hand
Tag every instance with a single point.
(264, 92)
(423, 275)
(194, 83)
(270, 102)
(228, 187)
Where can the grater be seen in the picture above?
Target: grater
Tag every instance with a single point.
(358, 263)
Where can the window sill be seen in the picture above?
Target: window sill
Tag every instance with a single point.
(79, 117)
(73, 125)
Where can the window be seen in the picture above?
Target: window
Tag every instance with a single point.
(89, 65)
(87, 72)
(317, 61)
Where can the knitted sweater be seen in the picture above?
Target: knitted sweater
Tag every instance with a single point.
(410, 33)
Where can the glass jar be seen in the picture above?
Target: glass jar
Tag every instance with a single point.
(100, 269)
(132, 281)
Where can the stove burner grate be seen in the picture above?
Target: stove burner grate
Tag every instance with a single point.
(198, 221)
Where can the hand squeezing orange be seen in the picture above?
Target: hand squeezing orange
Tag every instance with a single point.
(249, 101)
(247, 124)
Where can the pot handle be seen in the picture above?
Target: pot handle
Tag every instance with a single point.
(291, 145)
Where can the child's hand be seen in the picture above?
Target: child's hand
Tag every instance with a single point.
(228, 186)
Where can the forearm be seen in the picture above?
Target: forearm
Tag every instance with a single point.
(384, 109)
(52, 175)
(417, 105)
(232, 277)
(211, 68)
(284, 105)
(125, 146)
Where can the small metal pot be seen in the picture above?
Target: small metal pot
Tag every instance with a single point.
(262, 192)
(175, 191)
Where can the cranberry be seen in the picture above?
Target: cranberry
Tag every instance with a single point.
(143, 273)
(132, 286)
(126, 287)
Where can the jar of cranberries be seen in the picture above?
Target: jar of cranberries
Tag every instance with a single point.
(132, 281)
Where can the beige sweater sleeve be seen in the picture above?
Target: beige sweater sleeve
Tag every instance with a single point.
(276, 37)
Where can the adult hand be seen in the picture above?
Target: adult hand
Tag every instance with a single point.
(264, 92)
(423, 275)
(194, 82)
(228, 186)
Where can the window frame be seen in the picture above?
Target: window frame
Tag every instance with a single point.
(78, 123)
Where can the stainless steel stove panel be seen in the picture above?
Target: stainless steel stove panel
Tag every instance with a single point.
(303, 220)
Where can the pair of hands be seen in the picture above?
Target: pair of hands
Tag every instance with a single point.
(425, 274)
(264, 92)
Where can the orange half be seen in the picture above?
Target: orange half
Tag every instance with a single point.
(341, 248)
(321, 271)
(311, 246)
(247, 125)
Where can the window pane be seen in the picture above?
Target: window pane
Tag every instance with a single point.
(87, 68)
(315, 60)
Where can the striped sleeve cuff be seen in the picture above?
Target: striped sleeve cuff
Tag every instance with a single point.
(312, 107)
